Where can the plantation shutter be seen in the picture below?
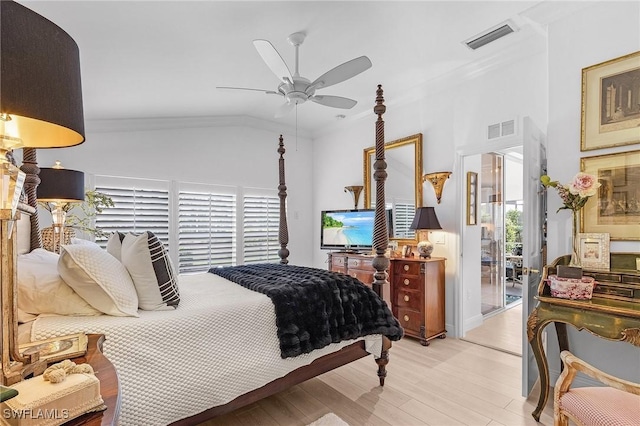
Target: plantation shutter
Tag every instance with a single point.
(139, 205)
(403, 214)
(206, 230)
(260, 224)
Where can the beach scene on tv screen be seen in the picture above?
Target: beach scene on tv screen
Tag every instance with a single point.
(347, 229)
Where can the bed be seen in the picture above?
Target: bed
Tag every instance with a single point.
(181, 366)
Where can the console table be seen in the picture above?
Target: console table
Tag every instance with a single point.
(613, 313)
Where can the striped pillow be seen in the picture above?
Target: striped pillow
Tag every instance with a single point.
(148, 263)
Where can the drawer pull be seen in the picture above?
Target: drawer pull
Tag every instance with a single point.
(406, 297)
(406, 318)
(406, 281)
(405, 267)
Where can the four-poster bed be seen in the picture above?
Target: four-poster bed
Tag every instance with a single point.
(211, 385)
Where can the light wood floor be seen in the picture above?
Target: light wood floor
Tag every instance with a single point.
(450, 382)
(502, 331)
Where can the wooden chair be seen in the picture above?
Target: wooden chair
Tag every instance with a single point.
(617, 404)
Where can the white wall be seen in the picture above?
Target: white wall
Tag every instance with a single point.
(602, 32)
(240, 156)
(450, 115)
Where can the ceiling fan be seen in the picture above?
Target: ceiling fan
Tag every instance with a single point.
(296, 89)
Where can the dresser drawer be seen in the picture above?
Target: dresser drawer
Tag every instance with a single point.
(365, 276)
(406, 268)
(408, 299)
(360, 264)
(410, 319)
(338, 261)
(407, 282)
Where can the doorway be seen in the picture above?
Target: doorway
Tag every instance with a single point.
(501, 208)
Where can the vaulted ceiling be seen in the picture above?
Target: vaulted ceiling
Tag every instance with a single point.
(164, 59)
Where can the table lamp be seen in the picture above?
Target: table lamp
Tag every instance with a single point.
(425, 220)
(40, 107)
(59, 187)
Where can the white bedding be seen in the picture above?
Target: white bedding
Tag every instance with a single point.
(218, 344)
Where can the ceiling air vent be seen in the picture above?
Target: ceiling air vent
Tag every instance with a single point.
(490, 36)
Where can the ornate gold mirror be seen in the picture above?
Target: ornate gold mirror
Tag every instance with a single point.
(403, 188)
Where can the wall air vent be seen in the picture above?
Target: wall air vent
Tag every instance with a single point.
(499, 130)
(490, 36)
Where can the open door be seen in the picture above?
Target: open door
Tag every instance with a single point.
(534, 153)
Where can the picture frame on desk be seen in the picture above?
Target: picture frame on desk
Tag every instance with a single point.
(615, 208)
(57, 348)
(594, 251)
(610, 113)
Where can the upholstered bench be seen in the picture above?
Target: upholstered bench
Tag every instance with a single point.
(617, 404)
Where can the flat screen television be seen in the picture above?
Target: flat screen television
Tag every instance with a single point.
(347, 230)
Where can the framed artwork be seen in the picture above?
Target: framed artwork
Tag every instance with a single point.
(611, 103)
(615, 208)
(472, 198)
(57, 348)
(594, 250)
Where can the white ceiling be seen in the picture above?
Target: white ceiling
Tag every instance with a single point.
(164, 59)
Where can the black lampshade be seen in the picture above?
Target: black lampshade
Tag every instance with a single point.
(62, 185)
(40, 84)
(425, 218)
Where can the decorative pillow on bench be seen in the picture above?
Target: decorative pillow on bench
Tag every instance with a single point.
(148, 263)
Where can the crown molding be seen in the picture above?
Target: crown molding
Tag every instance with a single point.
(172, 123)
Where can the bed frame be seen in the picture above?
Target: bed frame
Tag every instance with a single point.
(380, 263)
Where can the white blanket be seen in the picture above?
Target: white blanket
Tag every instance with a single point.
(220, 343)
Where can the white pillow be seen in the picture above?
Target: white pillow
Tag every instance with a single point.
(114, 244)
(75, 240)
(41, 290)
(99, 278)
(151, 270)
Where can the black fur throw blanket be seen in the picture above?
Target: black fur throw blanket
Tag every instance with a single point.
(315, 307)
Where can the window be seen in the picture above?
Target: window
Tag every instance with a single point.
(139, 205)
(403, 214)
(261, 215)
(206, 230)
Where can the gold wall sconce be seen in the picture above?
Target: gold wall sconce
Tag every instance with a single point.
(355, 191)
(437, 179)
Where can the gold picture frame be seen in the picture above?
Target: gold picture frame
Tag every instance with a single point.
(593, 249)
(615, 208)
(472, 198)
(57, 348)
(610, 104)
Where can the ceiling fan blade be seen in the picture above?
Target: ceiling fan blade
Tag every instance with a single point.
(334, 101)
(342, 72)
(268, 92)
(273, 60)
(284, 109)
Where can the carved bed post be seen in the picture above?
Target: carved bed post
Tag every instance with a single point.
(283, 232)
(380, 234)
(31, 182)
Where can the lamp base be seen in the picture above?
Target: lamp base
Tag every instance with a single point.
(425, 248)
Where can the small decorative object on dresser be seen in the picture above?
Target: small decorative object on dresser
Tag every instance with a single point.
(418, 297)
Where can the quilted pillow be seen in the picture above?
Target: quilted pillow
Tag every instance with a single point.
(99, 278)
(148, 263)
(41, 289)
(114, 245)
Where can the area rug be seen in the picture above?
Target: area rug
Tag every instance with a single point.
(329, 419)
(511, 298)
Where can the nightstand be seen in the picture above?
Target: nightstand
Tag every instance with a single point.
(418, 296)
(109, 385)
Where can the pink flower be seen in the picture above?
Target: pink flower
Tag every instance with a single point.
(584, 185)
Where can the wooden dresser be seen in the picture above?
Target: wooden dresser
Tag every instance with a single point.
(418, 296)
(356, 265)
